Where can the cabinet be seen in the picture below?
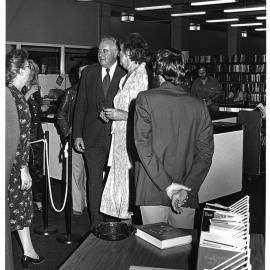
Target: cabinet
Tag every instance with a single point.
(243, 77)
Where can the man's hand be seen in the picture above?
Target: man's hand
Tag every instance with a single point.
(174, 187)
(79, 145)
(115, 114)
(178, 199)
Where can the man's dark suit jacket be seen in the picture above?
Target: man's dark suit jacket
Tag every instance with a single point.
(174, 140)
(90, 100)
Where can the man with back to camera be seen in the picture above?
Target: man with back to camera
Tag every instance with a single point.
(207, 88)
(174, 139)
(91, 129)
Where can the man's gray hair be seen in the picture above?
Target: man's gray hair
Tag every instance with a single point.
(111, 38)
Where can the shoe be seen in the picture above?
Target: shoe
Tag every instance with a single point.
(77, 213)
(38, 206)
(26, 260)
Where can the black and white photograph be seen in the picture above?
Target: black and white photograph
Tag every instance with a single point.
(135, 135)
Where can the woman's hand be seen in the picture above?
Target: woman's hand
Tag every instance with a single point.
(34, 88)
(26, 179)
(116, 114)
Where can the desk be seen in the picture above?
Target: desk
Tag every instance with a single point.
(97, 254)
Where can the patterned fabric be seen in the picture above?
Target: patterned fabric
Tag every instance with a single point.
(115, 198)
(20, 201)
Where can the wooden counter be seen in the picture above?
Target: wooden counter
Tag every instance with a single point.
(97, 254)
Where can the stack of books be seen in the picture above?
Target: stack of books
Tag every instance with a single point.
(224, 240)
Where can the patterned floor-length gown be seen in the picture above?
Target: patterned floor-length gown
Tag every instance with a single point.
(20, 201)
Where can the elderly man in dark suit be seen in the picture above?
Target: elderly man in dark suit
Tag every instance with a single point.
(91, 128)
(174, 139)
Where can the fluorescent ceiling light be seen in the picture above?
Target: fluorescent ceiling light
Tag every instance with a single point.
(244, 34)
(245, 24)
(260, 29)
(213, 2)
(188, 14)
(223, 20)
(153, 7)
(244, 9)
(194, 27)
(261, 18)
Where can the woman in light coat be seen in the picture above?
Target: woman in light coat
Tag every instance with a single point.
(116, 195)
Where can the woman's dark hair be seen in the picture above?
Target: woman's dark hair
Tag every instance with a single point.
(171, 66)
(14, 61)
(137, 47)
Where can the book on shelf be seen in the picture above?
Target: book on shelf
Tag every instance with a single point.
(225, 240)
(218, 259)
(163, 235)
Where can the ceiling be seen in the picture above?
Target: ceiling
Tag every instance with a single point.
(213, 11)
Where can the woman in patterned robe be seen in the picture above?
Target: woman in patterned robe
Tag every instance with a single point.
(19, 188)
(116, 195)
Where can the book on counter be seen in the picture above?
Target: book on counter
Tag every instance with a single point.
(163, 235)
(220, 259)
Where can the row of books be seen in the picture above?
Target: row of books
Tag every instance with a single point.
(225, 239)
(241, 58)
(240, 68)
(253, 87)
(254, 78)
(254, 97)
(241, 78)
(245, 87)
(193, 67)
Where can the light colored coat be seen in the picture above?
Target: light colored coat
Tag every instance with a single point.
(115, 198)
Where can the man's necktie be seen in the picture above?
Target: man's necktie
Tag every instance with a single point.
(106, 81)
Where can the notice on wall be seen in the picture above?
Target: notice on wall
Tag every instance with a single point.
(59, 80)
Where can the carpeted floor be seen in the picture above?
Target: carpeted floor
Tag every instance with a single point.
(56, 252)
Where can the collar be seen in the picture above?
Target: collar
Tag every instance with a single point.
(112, 70)
(169, 86)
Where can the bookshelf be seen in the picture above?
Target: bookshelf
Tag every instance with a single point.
(245, 75)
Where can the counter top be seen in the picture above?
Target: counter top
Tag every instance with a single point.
(238, 105)
(223, 127)
(222, 114)
(96, 254)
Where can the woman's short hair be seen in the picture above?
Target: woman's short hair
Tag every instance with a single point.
(171, 66)
(14, 61)
(137, 47)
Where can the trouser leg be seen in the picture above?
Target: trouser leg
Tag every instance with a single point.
(78, 182)
(159, 213)
(154, 214)
(95, 160)
(183, 220)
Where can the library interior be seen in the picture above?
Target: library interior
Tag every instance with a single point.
(221, 45)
